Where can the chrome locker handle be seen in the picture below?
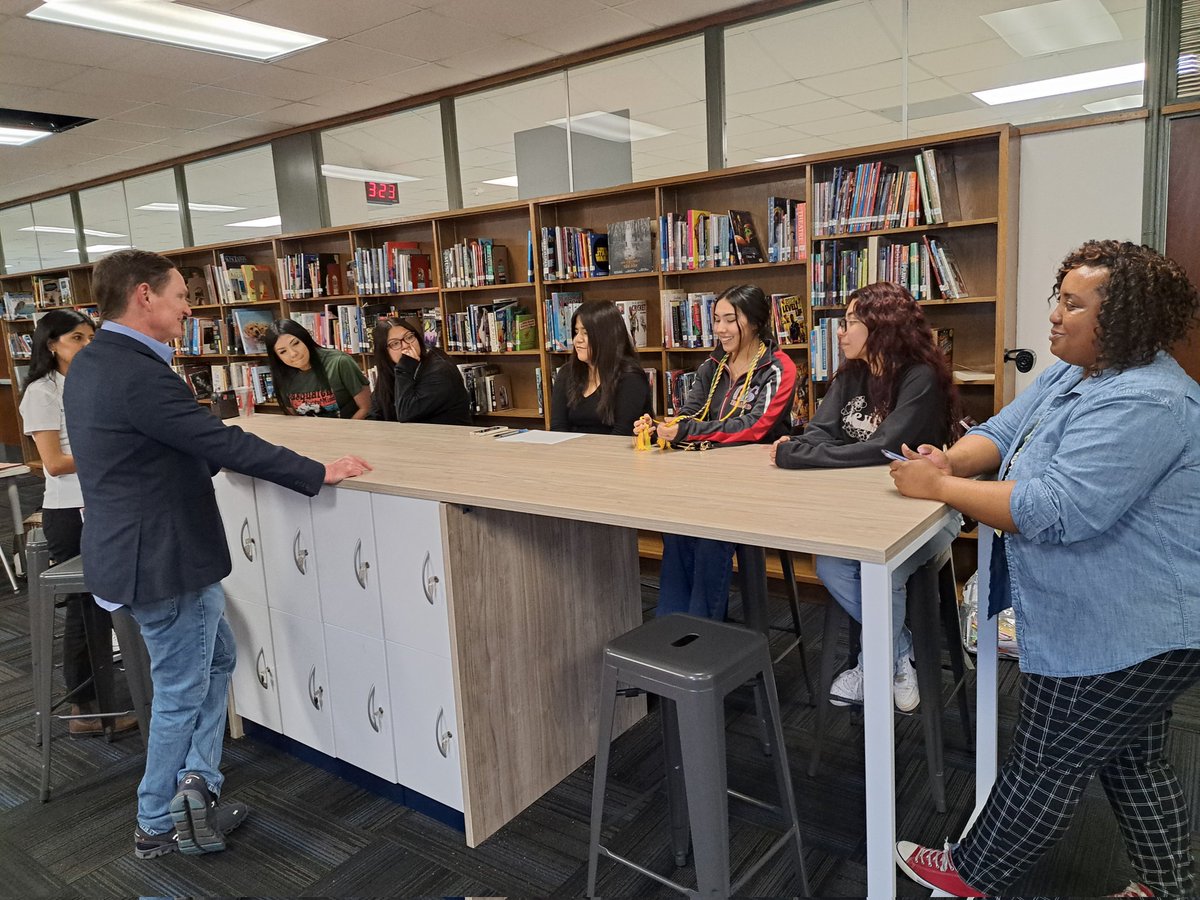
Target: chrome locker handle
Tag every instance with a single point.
(442, 735)
(373, 715)
(361, 566)
(247, 540)
(315, 694)
(429, 582)
(299, 556)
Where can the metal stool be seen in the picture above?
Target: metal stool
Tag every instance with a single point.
(931, 596)
(46, 585)
(692, 664)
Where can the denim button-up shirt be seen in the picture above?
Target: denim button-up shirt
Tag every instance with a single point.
(1105, 571)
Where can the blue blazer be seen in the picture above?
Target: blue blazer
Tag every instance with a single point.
(146, 452)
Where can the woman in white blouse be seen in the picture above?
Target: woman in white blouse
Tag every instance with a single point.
(60, 334)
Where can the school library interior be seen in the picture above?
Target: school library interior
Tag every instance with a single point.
(513, 658)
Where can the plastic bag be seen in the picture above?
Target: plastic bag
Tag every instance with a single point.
(968, 612)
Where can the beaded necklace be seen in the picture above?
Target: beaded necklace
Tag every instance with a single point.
(642, 441)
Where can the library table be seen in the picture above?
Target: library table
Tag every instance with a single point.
(731, 494)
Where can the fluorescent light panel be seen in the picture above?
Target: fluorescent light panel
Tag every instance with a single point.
(1054, 27)
(1066, 84)
(18, 137)
(55, 229)
(102, 248)
(194, 207)
(778, 158)
(349, 173)
(608, 127)
(256, 223)
(1131, 101)
(182, 26)
(508, 181)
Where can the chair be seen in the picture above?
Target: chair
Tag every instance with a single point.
(931, 597)
(692, 664)
(46, 586)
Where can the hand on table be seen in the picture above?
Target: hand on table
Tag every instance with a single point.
(346, 467)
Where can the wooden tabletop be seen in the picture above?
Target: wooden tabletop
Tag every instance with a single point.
(729, 493)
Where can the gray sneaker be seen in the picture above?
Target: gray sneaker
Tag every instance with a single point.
(201, 823)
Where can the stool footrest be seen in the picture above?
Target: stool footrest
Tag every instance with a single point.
(754, 801)
(642, 870)
(762, 860)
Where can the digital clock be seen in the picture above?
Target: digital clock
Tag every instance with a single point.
(382, 193)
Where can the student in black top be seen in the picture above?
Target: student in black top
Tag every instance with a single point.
(742, 395)
(602, 389)
(894, 388)
(311, 380)
(415, 383)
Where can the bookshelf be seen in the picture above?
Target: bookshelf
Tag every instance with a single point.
(983, 163)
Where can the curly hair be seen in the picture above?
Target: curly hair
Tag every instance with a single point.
(898, 336)
(1147, 302)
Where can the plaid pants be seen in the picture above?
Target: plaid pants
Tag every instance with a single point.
(1112, 725)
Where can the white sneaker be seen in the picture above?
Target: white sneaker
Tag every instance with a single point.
(904, 686)
(847, 688)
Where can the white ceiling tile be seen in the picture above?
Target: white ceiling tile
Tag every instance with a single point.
(29, 72)
(288, 84)
(429, 77)
(522, 18)
(149, 58)
(426, 35)
(349, 61)
(225, 102)
(171, 117)
(51, 100)
(587, 31)
(364, 96)
(667, 12)
(291, 114)
(505, 55)
(47, 40)
(98, 82)
(316, 17)
(110, 130)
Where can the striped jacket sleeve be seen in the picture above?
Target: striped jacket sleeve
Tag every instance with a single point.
(775, 385)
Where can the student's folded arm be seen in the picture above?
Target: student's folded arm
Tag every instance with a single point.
(415, 397)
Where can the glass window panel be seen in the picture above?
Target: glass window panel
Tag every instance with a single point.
(156, 228)
(105, 220)
(56, 248)
(956, 49)
(491, 126)
(814, 80)
(18, 241)
(391, 149)
(639, 116)
(244, 182)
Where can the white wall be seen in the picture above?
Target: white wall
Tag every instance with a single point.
(1075, 185)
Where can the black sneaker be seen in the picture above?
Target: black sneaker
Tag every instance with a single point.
(148, 846)
(200, 822)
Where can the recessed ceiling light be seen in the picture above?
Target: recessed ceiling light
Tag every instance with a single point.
(1132, 101)
(610, 127)
(55, 229)
(1066, 84)
(778, 158)
(182, 26)
(17, 137)
(349, 173)
(194, 207)
(256, 223)
(508, 181)
(1054, 27)
(102, 248)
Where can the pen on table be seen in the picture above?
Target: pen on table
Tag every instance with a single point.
(511, 432)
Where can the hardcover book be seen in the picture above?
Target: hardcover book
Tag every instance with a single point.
(630, 247)
(252, 325)
(745, 240)
(197, 285)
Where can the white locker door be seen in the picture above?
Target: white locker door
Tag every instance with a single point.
(427, 755)
(285, 521)
(303, 680)
(255, 692)
(362, 710)
(235, 498)
(412, 574)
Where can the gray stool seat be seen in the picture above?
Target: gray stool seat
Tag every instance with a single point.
(692, 664)
(932, 607)
(46, 586)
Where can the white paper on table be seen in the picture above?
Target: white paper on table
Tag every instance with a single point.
(540, 437)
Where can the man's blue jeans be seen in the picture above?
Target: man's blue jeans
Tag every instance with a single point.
(695, 576)
(192, 655)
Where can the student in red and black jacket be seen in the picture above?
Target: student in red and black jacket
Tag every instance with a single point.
(742, 395)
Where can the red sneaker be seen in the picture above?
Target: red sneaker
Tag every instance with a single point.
(1134, 889)
(933, 869)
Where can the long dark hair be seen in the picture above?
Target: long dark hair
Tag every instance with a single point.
(281, 372)
(750, 301)
(51, 327)
(897, 337)
(611, 351)
(385, 369)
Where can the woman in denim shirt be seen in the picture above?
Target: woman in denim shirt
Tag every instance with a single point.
(1099, 485)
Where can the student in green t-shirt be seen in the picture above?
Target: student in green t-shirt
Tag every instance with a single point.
(312, 380)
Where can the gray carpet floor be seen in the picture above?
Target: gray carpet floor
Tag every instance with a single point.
(316, 833)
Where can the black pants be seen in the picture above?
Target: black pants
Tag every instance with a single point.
(63, 529)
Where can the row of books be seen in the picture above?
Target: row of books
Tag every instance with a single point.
(877, 195)
(489, 388)
(687, 317)
(20, 346)
(573, 253)
(474, 262)
(394, 268)
(824, 352)
(787, 318)
(560, 308)
(839, 267)
(241, 331)
(341, 326)
(786, 234)
(205, 380)
(49, 290)
(500, 327)
(305, 276)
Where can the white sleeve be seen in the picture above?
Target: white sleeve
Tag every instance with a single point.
(40, 408)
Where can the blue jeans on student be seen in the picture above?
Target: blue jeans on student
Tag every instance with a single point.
(843, 579)
(192, 655)
(695, 576)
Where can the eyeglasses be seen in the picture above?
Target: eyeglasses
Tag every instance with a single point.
(397, 343)
(844, 323)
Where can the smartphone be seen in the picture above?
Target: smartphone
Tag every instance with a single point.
(897, 456)
(491, 429)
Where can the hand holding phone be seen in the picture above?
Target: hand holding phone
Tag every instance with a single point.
(896, 456)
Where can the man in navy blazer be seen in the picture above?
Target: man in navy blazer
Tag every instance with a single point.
(152, 536)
